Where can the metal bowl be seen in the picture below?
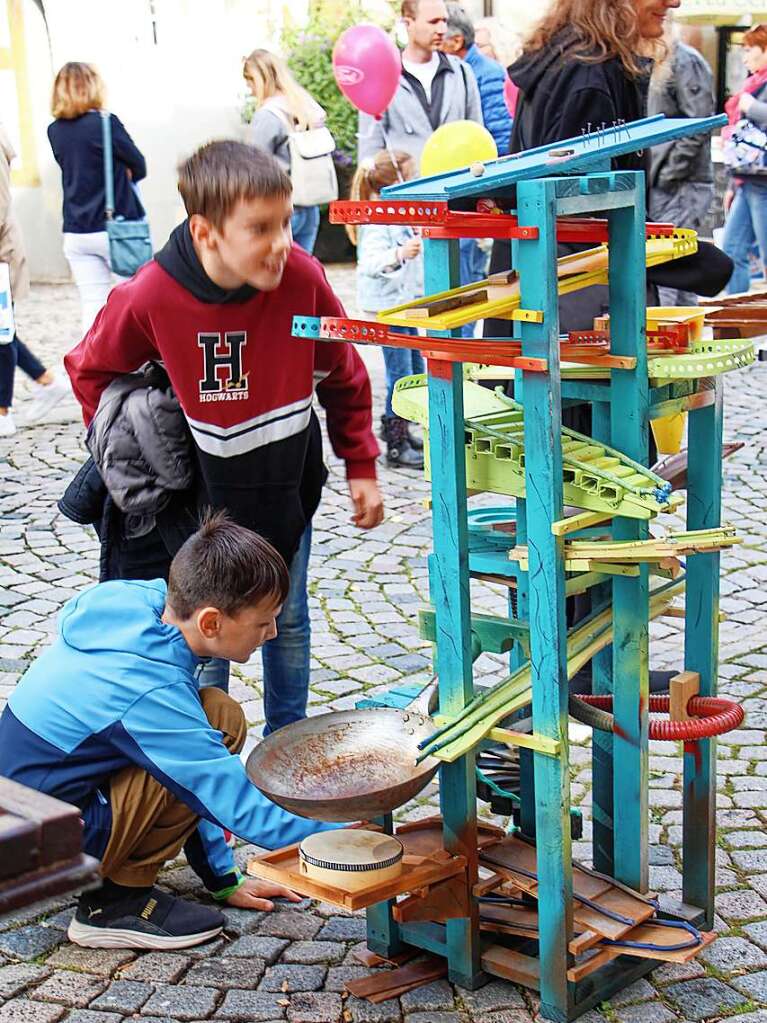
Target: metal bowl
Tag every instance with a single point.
(344, 766)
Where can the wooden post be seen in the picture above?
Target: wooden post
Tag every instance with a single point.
(629, 433)
(449, 583)
(536, 206)
(701, 651)
(602, 684)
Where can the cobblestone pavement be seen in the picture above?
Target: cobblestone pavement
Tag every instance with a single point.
(365, 589)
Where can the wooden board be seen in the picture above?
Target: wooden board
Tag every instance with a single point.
(651, 933)
(389, 984)
(283, 866)
(424, 838)
(512, 852)
(513, 966)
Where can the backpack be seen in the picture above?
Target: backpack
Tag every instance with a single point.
(312, 171)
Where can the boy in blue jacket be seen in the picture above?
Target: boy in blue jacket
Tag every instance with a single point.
(111, 718)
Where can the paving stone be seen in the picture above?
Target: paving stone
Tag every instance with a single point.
(492, 997)
(339, 975)
(295, 925)
(520, 1016)
(750, 862)
(644, 1013)
(75, 990)
(757, 932)
(256, 946)
(437, 995)
(17, 977)
(22, 1011)
(89, 1016)
(754, 985)
(101, 961)
(728, 954)
(28, 943)
(344, 928)
(157, 968)
(741, 905)
(704, 998)
(315, 1007)
(295, 978)
(243, 921)
(251, 1007)
(365, 1012)
(437, 1017)
(60, 920)
(181, 1002)
(760, 1016)
(125, 996)
(226, 972)
(640, 991)
(312, 952)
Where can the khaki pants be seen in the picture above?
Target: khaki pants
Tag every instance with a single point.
(149, 824)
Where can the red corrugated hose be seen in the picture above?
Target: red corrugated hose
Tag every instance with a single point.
(714, 716)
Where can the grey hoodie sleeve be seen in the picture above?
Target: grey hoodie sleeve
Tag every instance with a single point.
(473, 101)
(266, 131)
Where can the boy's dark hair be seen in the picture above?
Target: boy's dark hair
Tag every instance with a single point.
(215, 178)
(225, 566)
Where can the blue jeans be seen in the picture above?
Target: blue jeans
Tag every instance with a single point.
(286, 657)
(12, 355)
(746, 224)
(473, 269)
(305, 224)
(400, 362)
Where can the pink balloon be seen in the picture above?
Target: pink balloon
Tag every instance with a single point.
(510, 93)
(367, 68)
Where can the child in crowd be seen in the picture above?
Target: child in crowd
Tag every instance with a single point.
(110, 718)
(389, 272)
(216, 306)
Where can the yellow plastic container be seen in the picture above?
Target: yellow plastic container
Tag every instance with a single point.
(668, 432)
(693, 314)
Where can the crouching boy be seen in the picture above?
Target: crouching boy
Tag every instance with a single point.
(111, 718)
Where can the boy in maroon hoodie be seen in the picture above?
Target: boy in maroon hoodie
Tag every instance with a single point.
(215, 306)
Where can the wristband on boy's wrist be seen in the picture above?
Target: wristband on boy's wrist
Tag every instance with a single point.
(226, 892)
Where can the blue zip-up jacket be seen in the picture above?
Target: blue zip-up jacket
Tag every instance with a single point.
(490, 79)
(117, 689)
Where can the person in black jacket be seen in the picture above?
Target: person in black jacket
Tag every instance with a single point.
(587, 63)
(76, 140)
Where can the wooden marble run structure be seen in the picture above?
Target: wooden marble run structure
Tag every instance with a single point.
(518, 906)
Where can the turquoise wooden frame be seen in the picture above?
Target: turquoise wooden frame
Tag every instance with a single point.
(621, 414)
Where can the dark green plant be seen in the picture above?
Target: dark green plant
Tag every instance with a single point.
(310, 57)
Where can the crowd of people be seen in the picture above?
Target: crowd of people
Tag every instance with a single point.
(196, 396)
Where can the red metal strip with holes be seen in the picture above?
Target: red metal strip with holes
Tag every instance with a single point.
(443, 222)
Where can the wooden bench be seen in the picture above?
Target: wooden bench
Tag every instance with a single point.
(40, 847)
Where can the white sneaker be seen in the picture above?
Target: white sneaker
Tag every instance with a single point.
(7, 425)
(47, 397)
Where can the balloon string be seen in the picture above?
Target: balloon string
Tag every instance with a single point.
(392, 155)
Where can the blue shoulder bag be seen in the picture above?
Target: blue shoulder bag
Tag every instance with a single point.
(130, 245)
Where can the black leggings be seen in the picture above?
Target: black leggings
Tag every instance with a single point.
(12, 355)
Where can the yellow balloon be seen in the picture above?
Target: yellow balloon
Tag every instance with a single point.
(456, 145)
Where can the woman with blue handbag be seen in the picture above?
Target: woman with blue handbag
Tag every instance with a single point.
(105, 228)
(745, 154)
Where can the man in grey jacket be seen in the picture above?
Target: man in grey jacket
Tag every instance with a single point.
(434, 88)
(681, 174)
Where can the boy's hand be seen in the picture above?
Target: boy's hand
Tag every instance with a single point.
(367, 502)
(254, 895)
